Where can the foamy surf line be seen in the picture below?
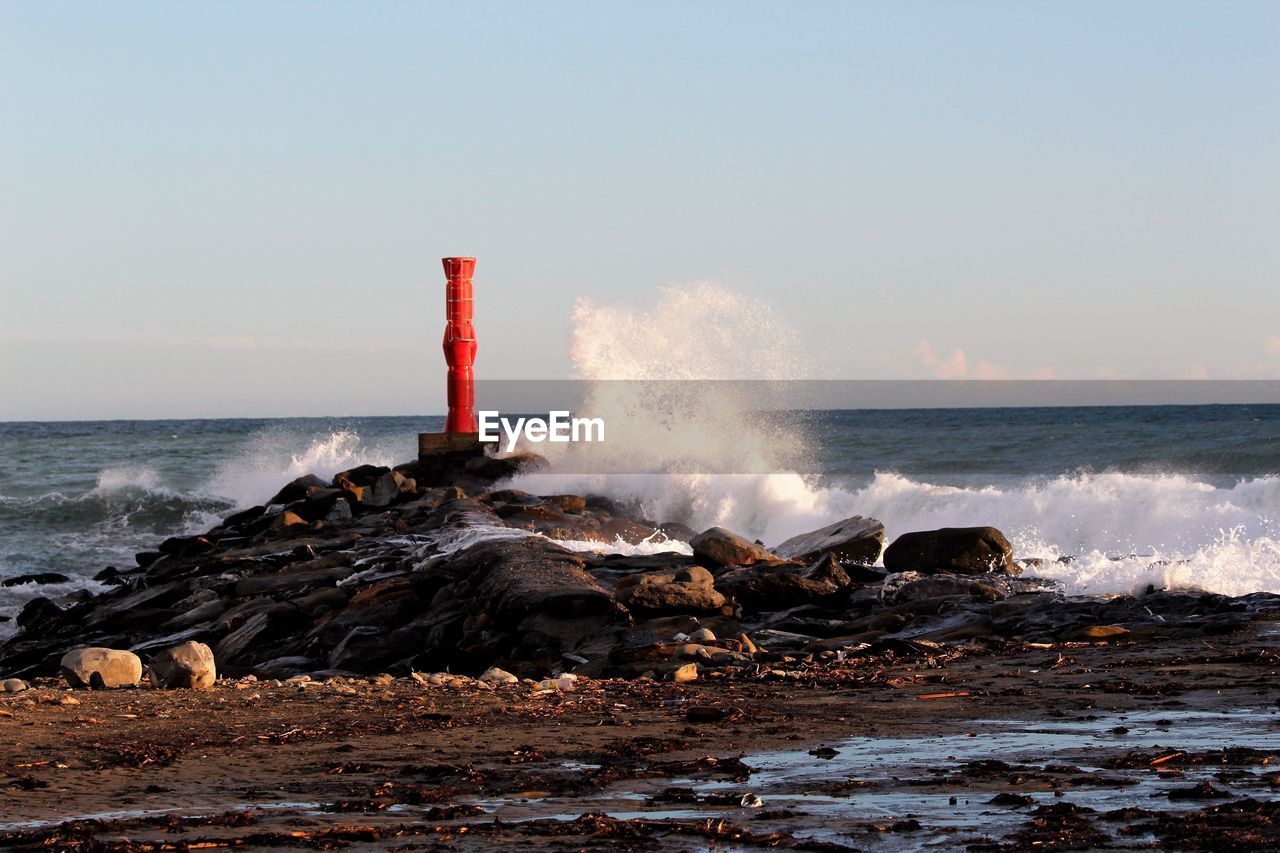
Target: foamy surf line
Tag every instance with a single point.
(14, 598)
(131, 508)
(1122, 532)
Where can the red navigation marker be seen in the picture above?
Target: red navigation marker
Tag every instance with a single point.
(460, 345)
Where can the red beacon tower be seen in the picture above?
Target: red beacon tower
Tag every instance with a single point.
(460, 346)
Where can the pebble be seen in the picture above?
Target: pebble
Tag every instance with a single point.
(13, 685)
(703, 635)
(494, 675)
(686, 673)
(704, 714)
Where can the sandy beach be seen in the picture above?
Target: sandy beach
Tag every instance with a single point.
(1078, 746)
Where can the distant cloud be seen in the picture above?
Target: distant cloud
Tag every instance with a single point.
(953, 367)
(1196, 371)
(956, 366)
(1272, 346)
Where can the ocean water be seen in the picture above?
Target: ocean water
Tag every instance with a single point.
(1170, 495)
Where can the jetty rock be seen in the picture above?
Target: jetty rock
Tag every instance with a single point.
(765, 587)
(439, 565)
(718, 547)
(962, 550)
(853, 540)
(686, 590)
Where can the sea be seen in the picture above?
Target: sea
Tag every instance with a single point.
(1114, 499)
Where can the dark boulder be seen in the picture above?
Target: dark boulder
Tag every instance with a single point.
(260, 636)
(369, 485)
(298, 489)
(779, 586)
(318, 503)
(686, 590)
(719, 547)
(38, 614)
(525, 576)
(512, 600)
(370, 648)
(185, 546)
(199, 614)
(959, 550)
(120, 609)
(290, 583)
(571, 504)
(676, 531)
(39, 579)
(244, 516)
(853, 540)
(286, 667)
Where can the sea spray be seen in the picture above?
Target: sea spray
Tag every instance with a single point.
(1120, 531)
(271, 458)
(80, 497)
(691, 451)
(683, 443)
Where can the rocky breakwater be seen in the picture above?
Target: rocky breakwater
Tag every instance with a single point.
(433, 566)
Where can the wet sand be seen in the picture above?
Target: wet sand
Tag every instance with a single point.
(1070, 747)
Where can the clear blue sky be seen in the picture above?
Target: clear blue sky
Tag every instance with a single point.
(239, 208)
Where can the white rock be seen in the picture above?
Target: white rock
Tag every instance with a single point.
(99, 667)
(189, 665)
(494, 675)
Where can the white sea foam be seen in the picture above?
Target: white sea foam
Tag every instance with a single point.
(655, 544)
(271, 460)
(14, 598)
(1183, 532)
(1188, 533)
(129, 477)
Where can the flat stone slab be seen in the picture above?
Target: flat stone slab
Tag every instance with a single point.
(441, 443)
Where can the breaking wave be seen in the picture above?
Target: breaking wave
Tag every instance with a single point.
(271, 460)
(1122, 530)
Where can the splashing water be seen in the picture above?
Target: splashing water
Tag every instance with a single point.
(255, 474)
(651, 376)
(1124, 530)
(82, 496)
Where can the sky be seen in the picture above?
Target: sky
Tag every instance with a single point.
(238, 209)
